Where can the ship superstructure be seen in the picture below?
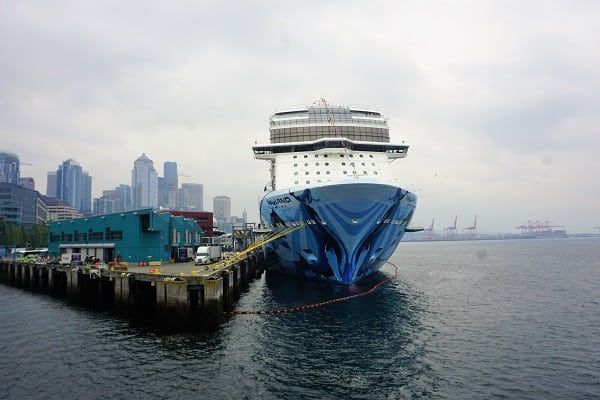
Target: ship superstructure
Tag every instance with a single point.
(330, 173)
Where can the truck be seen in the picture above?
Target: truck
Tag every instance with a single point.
(185, 254)
(71, 259)
(207, 254)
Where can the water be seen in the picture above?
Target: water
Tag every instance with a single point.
(512, 319)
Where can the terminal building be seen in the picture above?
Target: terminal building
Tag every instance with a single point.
(133, 236)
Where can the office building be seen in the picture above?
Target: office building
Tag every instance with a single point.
(222, 207)
(27, 182)
(9, 168)
(74, 186)
(191, 197)
(21, 205)
(51, 184)
(144, 183)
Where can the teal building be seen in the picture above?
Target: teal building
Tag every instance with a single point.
(133, 236)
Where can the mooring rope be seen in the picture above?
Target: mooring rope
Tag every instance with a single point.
(308, 307)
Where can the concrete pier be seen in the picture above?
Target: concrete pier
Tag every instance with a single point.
(174, 299)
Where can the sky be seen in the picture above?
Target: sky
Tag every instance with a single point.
(498, 100)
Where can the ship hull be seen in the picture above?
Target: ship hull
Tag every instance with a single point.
(344, 231)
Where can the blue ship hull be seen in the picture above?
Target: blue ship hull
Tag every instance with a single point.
(346, 231)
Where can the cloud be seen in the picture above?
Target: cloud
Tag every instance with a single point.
(497, 100)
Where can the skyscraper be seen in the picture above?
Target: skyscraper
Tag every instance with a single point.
(191, 197)
(170, 173)
(125, 195)
(27, 182)
(144, 183)
(221, 208)
(51, 184)
(74, 186)
(9, 168)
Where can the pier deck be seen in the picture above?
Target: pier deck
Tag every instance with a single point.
(179, 294)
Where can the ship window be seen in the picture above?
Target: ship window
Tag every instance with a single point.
(295, 156)
(361, 156)
(325, 155)
(365, 172)
(375, 172)
(326, 164)
(343, 163)
(296, 173)
(306, 173)
(354, 172)
(328, 172)
(295, 182)
(345, 172)
(318, 172)
(316, 156)
(371, 155)
(362, 163)
(295, 165)
(307, 181)
(351, 156)
(305, 156)
(373, 164)
(341, 155)
(319, 181)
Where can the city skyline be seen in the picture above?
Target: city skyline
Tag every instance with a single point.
(496, 101)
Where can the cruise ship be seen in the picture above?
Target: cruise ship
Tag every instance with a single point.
(331, 187)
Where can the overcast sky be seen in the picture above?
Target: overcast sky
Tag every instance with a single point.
(499, 101)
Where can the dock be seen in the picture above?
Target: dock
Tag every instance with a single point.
(177, 295)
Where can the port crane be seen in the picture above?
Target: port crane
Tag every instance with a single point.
(537, 227)
(472, 230)
(429, 230)
(451, 230)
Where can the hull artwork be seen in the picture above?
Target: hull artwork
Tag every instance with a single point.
(348, 229)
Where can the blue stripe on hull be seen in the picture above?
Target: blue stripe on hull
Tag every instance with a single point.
(351, 229)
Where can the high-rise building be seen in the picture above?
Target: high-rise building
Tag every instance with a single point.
(163, 193)
(51, 184)
(221, 208)
(112, 201)
(27, 182)
(9, 168)
(86, 193)
(144, 183)
(74, 186)
(170, 173)
(20, 205)
(125, 196)
(191, 197)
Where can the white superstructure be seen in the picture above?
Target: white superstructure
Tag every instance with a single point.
(323, 143)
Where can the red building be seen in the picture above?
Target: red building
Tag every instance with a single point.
(202, 218)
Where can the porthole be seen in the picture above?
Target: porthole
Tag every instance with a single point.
(341, 155)
(318, 172)
(361, 156)
(307, 181)
(371, 155)
(365, 172)
(316, 156)
(295, 156)
(345, 172)
(326, 164)
(351, 155)
(343, 163)
(325, 155)
(362, 163)
(306, 173)
(317, 164)
(327, 172)
(305, 156)
(375, 172)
